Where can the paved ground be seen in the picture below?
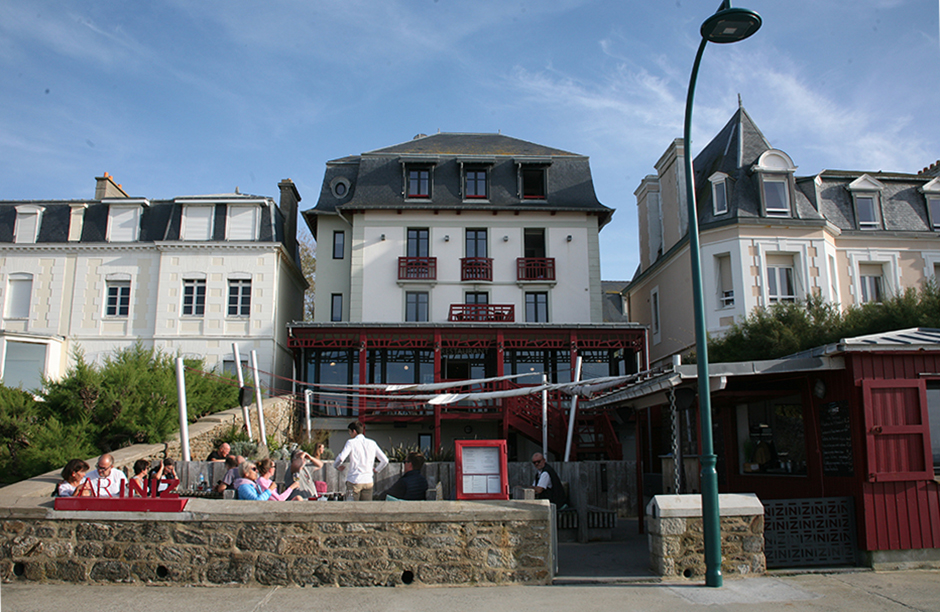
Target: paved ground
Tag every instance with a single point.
(858, 592)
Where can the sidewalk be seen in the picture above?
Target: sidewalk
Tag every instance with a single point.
(858, 592)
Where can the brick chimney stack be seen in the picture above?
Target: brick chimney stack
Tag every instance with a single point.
(107, 188)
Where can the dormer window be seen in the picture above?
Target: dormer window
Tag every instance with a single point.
(28, 219)
(475, 183)
(931, 193)
(198, 221)
(719, 182)
(243, 222)
(419, 182)
(775, 170)
(533, 183)
(124, 220)
(866, 197)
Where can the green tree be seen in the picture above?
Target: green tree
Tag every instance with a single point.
(308, 263)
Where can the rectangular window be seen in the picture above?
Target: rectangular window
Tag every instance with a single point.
(933, 205)
(339, 245)
(476, 297)
(533, 183)
(533, 239)
(418, 241)
(476, 243)
(243, 222)
(933, 414)
(780, 286)
(26, 227)
(475, 183)
(725, 282)
(654, 316)
(536, 307)
(122, 223)
(771, 436)
(865, 211)
(239, 297)
(24, 364)
(336, 307)
(776, 197)
(197, 222)
(419, 182)
(19, 291)
(870, 282)
(720, 197)
(119, 299)
(194, 297)
(416, 306)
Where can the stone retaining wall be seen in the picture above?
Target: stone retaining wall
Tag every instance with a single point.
(675, 532)
(218, 542)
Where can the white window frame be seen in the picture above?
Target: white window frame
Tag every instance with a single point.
(198, 301)
(890, 267)
(724, 297)
(114, 311)
(931, 193)
(865, 188)
(719, 182)
(655, 319)
(28, 221)
(871, 287)
(123, 222)
(779, 274)
(198, 223)
(242, 309)
(774, 166)
(19, 293)
(798, 250)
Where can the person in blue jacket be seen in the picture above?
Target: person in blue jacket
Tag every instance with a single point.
(247, 487)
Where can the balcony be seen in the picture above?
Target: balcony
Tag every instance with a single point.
(482, 312)
(476, 269)
(417, 268)
(535, 269)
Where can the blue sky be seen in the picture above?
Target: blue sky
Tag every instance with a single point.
(195, 97)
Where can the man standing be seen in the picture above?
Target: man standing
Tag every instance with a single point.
(362, 453)
(412, 486)
(105, 480)
(547, 483)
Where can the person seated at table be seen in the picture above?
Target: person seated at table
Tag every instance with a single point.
(231, 463)
(164, 470)
(248, 487)
(304, 486)
(72, 476)
(106, 480)
(140, 476)
(220, 453)
(266, 472)
(412, 486)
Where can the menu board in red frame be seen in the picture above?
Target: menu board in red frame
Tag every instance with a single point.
(482, 471)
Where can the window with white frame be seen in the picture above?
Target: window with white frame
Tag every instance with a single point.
(781, 285)
(866, 197)
(655, 326)
(933, 208)
(775, 169)
(243, 222)
(871, 282)
(725, 282)
(239, 297)
(19, 292)
(118, 302)
(198, 222)
(776, 190)
(28, 220)
(866, 211)
(719, 193)
(123, 223)
(194, 297)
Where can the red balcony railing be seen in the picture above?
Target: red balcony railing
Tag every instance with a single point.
(482, 312)
(417, 268)
(476, 268)
(535, 268)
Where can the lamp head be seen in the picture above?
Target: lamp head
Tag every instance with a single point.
(730, 25)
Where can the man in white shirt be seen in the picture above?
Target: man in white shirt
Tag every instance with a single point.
(362, 453)
(106, 480)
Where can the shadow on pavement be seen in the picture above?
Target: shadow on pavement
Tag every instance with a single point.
(624, 558)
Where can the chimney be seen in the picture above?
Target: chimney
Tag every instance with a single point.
(290, 198)
(107, 188)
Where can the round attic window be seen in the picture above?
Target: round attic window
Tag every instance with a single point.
(340, 187)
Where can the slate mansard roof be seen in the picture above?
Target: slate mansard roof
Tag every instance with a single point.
(160, 220)
(819, 199)
(376, 179)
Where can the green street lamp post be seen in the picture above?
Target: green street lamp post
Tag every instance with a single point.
(727, 25)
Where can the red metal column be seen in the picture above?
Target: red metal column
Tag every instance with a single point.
(437, 356)
(363, 370)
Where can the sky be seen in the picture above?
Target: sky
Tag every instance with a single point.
(183, 97)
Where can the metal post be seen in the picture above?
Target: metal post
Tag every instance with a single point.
(307, 394)
(254, 370)
(545, 418)
(184, 411)
(241, 383)
(574, 409)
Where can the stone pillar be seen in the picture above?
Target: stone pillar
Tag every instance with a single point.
(674, 528)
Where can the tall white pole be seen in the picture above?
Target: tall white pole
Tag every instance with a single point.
(574, 409)
(254, 370)
(184, 416)
(241, 383)
(545, 418)
(307, 394)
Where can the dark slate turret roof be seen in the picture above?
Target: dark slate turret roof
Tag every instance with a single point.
(376, 178)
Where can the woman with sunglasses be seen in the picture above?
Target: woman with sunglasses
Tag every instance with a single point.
(266, 471)
(247, 486)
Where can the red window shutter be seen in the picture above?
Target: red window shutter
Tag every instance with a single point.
(897, 430)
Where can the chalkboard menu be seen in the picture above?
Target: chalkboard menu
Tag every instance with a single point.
(836, 433)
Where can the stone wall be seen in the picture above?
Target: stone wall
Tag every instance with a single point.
(218, 542)
(676, 537)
